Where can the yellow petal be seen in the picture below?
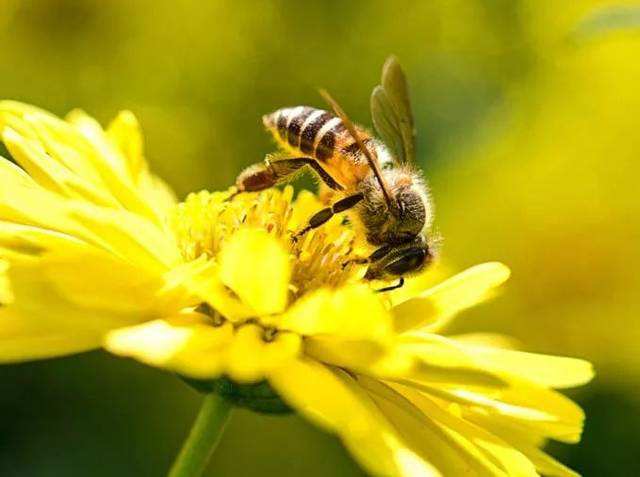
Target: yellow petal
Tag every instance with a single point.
(546, 464)
(508, 459)
(157, 193)
(96, 281)
(96, 138)
(245, 354)
(546, 370)
(521, 399)
(201, 279)
(12, 174)
(66, 294)
(250, 357)
(117, 231)
(51, 174)
(493, 340)
(333, 401)
(35, 161)
(526, 442)
(355, 354)
(113, 166)
(63, 144)
(256, 267)
(73, 271)
(435, 349)
(21, 339)
(544, 412)
(77, 159)
(451, 452)
(398, 362)
(488, 402)
(506, 428)
(49, 316)
(569, 417)
(184, 344)
(438, 360)
(6, 294)
(46, 305)
(352, 311)
(418, 284)
(53, 289)
(154, 342)
(124, 133)
(434, 308)
(126, 234)
(80, 158)
(550, 371)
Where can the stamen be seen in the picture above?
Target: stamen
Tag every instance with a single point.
(215, 317)
(204, 221)
(269, 334)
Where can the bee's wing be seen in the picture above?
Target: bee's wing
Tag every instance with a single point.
(371, 159)
(391, 111)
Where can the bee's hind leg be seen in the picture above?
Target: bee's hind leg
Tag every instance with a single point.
(268, 173)
(257, 177)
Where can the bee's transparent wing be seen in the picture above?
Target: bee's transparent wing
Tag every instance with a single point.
(391, 111)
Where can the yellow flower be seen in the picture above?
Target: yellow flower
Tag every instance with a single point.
(95, 251)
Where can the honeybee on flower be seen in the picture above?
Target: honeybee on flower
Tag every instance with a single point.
(376, 183)
(95, 251)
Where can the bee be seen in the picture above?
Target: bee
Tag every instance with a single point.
(375, 181)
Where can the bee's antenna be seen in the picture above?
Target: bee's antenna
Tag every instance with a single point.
(354, 133)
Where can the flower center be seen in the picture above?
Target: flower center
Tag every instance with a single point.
(322, 258)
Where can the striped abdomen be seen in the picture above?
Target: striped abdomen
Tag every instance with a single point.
(313, 132)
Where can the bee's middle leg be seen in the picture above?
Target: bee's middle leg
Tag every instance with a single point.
(266, 174)
(325, 214)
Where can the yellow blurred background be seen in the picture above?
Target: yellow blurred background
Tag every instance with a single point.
(527, 113)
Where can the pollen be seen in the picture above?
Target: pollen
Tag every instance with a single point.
(321, 258)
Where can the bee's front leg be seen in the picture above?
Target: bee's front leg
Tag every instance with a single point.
(355, 261)
(400, 284)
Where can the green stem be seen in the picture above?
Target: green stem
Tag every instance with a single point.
(203, 438)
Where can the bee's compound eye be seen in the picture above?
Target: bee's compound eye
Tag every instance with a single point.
(411, 260)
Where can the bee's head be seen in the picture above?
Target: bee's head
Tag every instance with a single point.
(399, 260)
(410, 214)
(406, 217)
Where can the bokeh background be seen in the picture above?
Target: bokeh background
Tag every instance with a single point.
(529, 132)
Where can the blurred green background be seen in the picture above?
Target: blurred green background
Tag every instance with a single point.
(527, 112)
